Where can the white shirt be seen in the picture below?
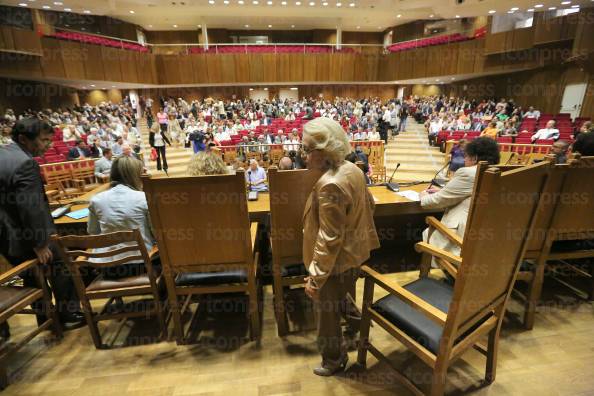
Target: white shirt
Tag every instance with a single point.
(546, 134)
(120, 209)
(158, 142)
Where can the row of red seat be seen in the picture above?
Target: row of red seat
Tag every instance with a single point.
(436, 40)
(264, 49)
(97, 40)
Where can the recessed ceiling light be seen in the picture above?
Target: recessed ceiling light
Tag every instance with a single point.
(269, 26)
(530, 10)
(352, 5)
(575, 6)
(265, 89)
(283, 3)
(251, 89)
(552, 8)
(150, 26)
(379, 27)
(492, 11)
(92, 85)
(46, 7)
(255, 2)
(269, 2)
(23, 4)
(131, 12)
(200, 26)
(453, 78)
(398, 16)
(431, 16)
(358, 27)
(325, 4)
(514, 9)
(297, 3)
(240, 2)
(113, 86)
(247, 26)
(311, 3)
(60, 3)
(294, 89)
(338, 4)
(538, 6)
(293, 26)
(457, 16)
(87, 11)
(67, 9)
(226, 2)
(563, 2)
(510, 12)
(174, 26)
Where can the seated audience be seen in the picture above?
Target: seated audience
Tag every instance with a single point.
(491, 131)
(455, 197)
(560, 149)
(122, 208)
(285, 163)
(255, 177)
(117, 147)
(103, 165)
(206, 163)
(584, 144)
(548, 132)
(78, 152)
(457, 156)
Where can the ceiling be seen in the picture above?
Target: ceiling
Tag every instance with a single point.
(352, 15)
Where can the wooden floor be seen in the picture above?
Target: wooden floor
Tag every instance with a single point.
(553, 359)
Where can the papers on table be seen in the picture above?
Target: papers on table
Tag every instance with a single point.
(410, 194)
(78, 214)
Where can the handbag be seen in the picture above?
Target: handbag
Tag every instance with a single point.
(153, 154)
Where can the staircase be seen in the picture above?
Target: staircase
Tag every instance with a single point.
(177, 158)
(418, 161)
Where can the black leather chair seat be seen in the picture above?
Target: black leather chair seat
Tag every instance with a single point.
(412, 322)
(294, 270)
(210, 278)
(10, 295)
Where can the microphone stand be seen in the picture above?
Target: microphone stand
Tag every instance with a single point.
(395, 187)
(433, 180)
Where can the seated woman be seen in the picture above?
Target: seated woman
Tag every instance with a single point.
(455, 197)
(122, 208)
(457, 157)
(207, 163)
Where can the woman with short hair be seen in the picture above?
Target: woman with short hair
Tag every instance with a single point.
(338, 235)
(206, 163)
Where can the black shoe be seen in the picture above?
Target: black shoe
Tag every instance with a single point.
(72, 319)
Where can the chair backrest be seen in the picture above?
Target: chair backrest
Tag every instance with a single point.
(573, 216)
(201, 223)
(289, 191)
(501, 215)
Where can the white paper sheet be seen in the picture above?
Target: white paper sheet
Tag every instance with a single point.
(410, 194)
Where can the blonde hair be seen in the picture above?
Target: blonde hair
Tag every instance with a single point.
(206, 163)
(155, 127)
(329, 138)
(127, 171)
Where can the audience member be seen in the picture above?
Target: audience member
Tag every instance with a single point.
(206, 163)
(78, 152)
(103, 165)
(560, 149)
(255, 177)
(548, 132)
(285, 163)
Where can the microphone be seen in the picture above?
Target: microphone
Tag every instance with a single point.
(434, 181)
(250, 180)
(393, 186)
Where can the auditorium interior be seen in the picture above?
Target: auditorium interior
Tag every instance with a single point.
(314, 197)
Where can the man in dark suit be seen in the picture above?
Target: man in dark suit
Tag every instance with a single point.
(25, 219)
(80, 151)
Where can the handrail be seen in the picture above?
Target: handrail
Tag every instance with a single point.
(99, 35)
(265, 44)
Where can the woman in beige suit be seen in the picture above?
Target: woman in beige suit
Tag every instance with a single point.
(455, 197)
(339, 234)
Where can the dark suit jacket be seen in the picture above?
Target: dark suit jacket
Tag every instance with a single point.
(25, 217)
(73, 153)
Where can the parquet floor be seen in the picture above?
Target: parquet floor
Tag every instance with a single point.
(553, 359)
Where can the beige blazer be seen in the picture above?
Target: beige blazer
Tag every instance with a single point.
(338, 226)
(455, 198)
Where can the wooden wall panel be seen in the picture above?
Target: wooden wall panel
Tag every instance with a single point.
(111, 64)
(296, 67)
(213, 63)
(22, 40)
(228, 68)
(243, 67)
(200, 68)
(128, 66)
(283, 67)
(495, 42)
(322, 67)
(335, 67)
(169, 71)
(74, 56)
(269, 68)
(52, 63)
(186, 74)
(252, 69)
(309, 68)
(94, 63)
(523, 38)
(348, 67)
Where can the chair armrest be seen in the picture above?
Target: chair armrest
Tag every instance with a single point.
(154, 251)
(448, 233)
(18, 269)
(254, 234)
(409, 298)
(443, 258)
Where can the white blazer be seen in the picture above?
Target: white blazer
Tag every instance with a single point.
(455, 198)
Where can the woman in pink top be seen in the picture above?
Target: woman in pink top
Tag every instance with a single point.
(162, 119)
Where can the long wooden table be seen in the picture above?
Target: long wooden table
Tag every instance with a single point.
(387, 203)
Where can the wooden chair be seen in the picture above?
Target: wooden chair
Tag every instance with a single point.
(567, 215)
(379, 175)
(78, 252)
(439, 322)
(507, 158)
(84, 177)
(206, 240)
(289, 191)
(62, 178)
(14, 300)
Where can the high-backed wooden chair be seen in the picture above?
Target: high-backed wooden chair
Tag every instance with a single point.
(439, 322)
(125, 247)
(205, 239)
(84, 177)
(289, 191)
(61, 177)
(568, 215)
(14, 300)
